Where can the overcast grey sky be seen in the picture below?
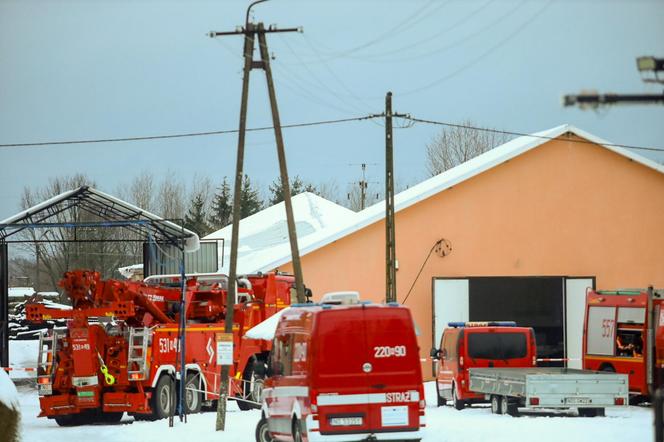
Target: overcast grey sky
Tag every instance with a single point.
(104, 69)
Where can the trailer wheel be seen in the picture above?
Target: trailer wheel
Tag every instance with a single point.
(591, 412)
(456, 402)
(163, 398)
(440, 401)
(193, 399)
(262, 432)
(496, 404)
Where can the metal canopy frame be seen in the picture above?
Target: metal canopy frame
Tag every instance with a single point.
(108, 212)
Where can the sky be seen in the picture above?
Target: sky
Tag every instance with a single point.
(81, 70)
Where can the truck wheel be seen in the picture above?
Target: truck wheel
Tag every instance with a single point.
(440, 401)
(110, 417)
(456, 402)
(66, 420)
(163, 398)
(253, 389)
(496, 404)
(192, 399)
(297, 431)
(262, 433)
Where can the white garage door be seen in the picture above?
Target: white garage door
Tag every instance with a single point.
(575, 305)
(450, 304)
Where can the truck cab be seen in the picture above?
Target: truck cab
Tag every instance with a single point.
(466, 345)
(343, 372)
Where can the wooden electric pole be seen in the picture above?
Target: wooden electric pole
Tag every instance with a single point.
(390, 249)
(251, 32)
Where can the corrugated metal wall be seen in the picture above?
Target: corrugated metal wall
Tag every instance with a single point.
(165, 259)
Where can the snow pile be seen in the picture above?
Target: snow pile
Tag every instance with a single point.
(265, 330)
(20, 292)
(8, 393)
(264, 235)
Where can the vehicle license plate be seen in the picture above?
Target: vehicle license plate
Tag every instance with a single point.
(577, 401)
(345, 421)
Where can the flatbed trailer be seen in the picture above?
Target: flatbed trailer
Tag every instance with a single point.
(550, 388)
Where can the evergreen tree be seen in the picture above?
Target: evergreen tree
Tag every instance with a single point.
(194, 219)
(297, 186)
(222, 207)
(250, 200)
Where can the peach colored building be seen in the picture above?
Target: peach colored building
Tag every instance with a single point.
(530, 224)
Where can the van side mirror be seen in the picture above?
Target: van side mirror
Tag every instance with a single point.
(277, 368)
(434, 353)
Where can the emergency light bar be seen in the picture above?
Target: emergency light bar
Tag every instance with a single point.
(482, 324)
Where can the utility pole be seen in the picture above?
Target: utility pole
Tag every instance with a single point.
(363, 184)
(390, 249)
(251, 32)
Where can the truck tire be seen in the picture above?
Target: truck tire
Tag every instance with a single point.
(297, 431)
(163, 398)
(192, 399)
(456, 402)
(496, 404)
(110, 417)
(262, 433)
(440, 401)
(252, 387)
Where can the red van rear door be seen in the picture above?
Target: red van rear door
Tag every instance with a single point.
(395, 375)
(340, 384)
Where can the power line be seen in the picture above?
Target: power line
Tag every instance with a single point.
(523, 134)
(190, 134)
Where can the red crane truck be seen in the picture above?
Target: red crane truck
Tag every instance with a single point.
(119, 352)
(624, 333)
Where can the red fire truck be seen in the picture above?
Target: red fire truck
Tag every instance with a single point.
(624, 333)
(346, 372)
(120, 350)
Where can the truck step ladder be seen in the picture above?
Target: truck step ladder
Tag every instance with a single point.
(48, 349)
(138, 352)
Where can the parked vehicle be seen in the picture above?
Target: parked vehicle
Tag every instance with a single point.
(348, 372)
(466, 345)
(590, 392)
(120, 351)
(496, 362)
(624, 333)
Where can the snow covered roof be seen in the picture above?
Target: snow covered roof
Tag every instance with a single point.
(264, 235)
(445, 180)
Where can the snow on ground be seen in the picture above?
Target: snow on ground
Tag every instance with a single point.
(23, 354)
(443, 424)
(8, 393)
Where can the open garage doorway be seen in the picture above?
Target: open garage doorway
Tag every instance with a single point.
(552, 305)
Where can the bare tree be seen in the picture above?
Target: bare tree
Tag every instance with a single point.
(171, 199)
(456, 145)
(85, 247)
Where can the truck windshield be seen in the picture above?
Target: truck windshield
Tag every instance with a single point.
(497, 345)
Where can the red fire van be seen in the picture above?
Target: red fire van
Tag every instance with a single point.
(343, 373)
(467, 345)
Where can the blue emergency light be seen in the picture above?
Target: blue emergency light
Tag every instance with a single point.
(482, 324)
